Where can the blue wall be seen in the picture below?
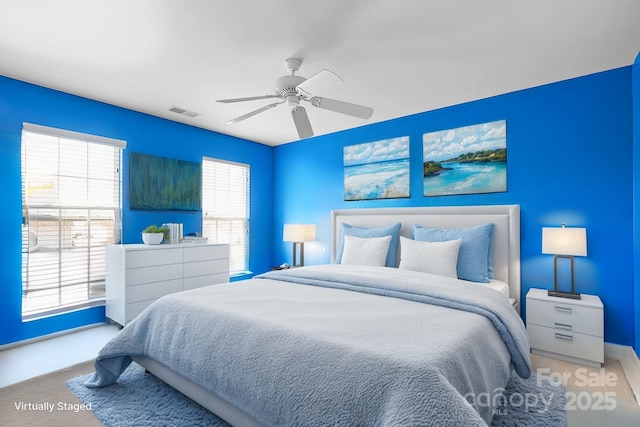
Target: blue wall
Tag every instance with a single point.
(21, 102)
(569, 161)
(636, 194)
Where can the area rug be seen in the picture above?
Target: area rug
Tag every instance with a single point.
(139, 398)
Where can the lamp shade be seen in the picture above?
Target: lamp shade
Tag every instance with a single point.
(564, 241)
(299, 232)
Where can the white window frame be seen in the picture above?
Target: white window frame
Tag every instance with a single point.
(73, 275)
(225, 216)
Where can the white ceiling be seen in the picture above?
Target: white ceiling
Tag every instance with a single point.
(398, 56)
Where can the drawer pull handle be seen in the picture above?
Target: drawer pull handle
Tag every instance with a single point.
(564, 337)
(563, 309)
(563, 326)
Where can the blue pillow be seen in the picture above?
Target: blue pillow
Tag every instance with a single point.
(392, 230)
(475, 257)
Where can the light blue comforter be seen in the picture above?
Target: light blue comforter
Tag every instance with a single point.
(393, 352)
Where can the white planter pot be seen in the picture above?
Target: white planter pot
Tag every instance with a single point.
(152, 238)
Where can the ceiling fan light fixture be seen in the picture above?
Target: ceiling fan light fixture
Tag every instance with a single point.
(291, 89)
(293, 64)
(287, 85)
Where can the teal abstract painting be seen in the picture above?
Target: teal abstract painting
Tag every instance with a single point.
(163, 183)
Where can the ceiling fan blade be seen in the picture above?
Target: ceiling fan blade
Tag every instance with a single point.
(318, 82)
(303, 125)
(251, 98)
(254, 112)
(342, 107)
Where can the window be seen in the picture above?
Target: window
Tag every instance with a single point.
(225, 209)
(71, 192)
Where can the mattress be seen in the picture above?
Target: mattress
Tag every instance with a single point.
(498, 286)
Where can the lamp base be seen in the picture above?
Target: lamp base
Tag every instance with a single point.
(295, 264)
(555, 292)
(564, 295)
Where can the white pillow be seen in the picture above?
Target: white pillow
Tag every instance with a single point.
(439, 258)
(365, 251)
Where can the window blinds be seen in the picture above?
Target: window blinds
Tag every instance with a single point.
(71, 201)
(225, 208)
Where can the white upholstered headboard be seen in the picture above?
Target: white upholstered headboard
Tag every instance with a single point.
(506, 220)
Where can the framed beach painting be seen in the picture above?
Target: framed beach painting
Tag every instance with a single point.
(465, 160)
(377, 170)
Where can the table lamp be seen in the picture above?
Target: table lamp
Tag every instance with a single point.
(298, 234)
(564, 243)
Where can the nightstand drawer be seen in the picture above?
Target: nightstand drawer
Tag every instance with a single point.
(566, 343)
(566, 317)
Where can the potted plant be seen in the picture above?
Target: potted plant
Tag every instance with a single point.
(153, 235)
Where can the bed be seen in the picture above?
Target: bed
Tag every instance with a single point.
(343, 344)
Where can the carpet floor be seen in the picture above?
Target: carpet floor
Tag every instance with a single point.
(52, 388)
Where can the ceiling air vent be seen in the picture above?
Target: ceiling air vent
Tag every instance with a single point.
(183, 112)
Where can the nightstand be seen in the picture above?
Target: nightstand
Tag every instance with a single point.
(567, 329)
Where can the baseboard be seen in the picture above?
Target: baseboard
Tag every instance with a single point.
(49, 336)
(630, 364)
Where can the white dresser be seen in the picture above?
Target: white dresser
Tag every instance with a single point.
(137, 275)
(567, 329)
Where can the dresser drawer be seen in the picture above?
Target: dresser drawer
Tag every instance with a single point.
(566, 317)
(151, 291)
(201, 268)
(137, 276)
(208, 280)
(132, 310)
(206, 252)
(146, 258)
(567, 343)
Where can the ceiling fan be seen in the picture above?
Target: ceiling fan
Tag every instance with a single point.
(292, 89)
